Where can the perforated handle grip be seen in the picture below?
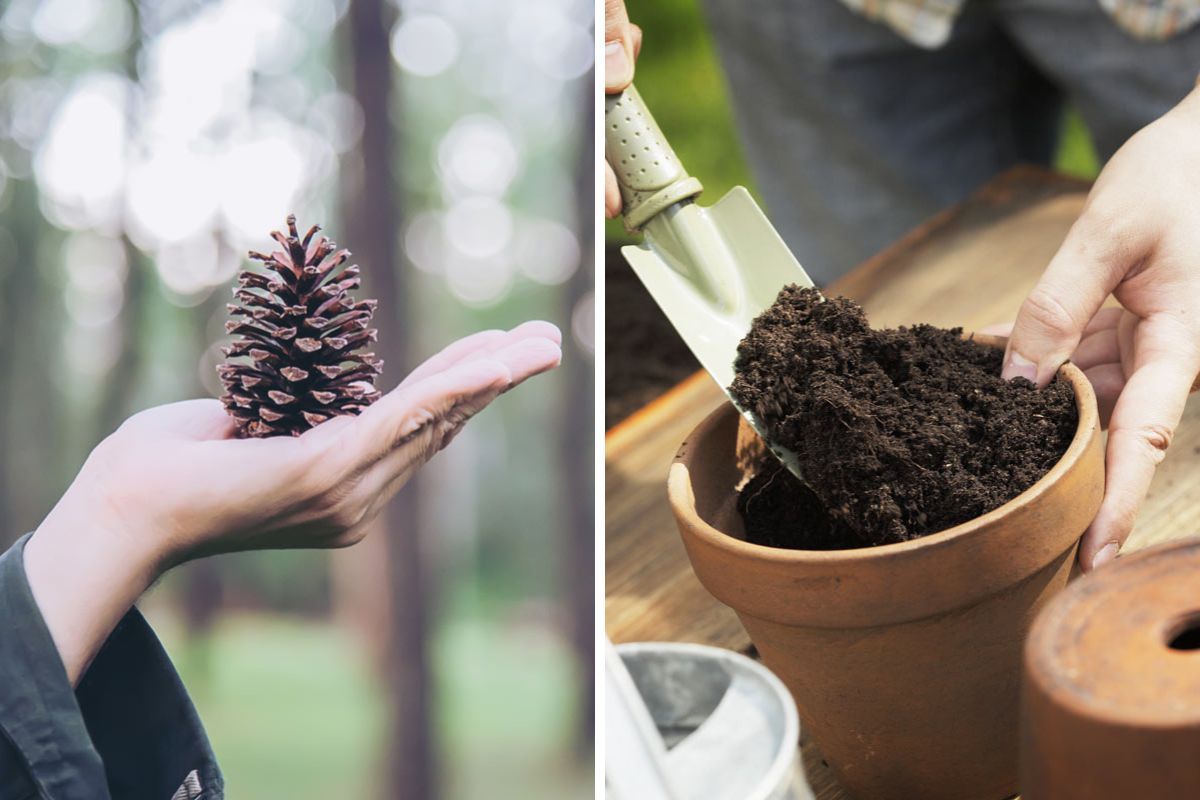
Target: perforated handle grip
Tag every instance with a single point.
(649, 174)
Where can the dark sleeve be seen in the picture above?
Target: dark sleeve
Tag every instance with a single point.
(129, 732)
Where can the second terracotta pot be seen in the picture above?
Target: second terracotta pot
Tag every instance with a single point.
(904, 659)
(1111, 694)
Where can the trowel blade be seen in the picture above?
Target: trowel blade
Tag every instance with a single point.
(712, 271)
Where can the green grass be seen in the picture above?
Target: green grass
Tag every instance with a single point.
(507, 700)
(295, 712)
(291, 707)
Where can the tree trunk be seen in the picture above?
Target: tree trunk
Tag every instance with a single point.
(32, 407)
(202, 581)
(577, 439)
(120, 386)
(15, 250)
(373, 225)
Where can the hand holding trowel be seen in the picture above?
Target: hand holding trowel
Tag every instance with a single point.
(712, 269)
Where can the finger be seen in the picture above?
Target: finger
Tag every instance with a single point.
(612, 193)
(1098, 250)
(1101, 347)
(1104, 318)
(618, 47)
(1140, 430)
(529, 357)
(1126, 338)
(525, 359)
(522, 360)
(480, 344)
(452, 354)
(636, 32)
(438, 425)
(387, 423)
(397, 415)
(1107, 382)
(541, 339)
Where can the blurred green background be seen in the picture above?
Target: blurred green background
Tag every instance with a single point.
(144, 148)
(681, 79)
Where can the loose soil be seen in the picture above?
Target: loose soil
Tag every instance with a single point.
(900, 433)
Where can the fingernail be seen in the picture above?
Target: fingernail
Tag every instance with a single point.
(1106, 554)
(618, 71)
(1018, 366)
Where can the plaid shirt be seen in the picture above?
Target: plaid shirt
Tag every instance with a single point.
(927, 22)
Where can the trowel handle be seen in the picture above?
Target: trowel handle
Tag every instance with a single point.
(649, 173)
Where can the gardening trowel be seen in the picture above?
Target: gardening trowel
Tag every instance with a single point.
(711, 269)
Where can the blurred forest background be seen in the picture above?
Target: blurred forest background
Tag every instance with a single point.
(144, 147)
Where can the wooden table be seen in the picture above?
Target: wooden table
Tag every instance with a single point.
(970, 266)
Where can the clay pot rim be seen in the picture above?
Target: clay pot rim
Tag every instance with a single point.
(1041, 668)
(679, 490)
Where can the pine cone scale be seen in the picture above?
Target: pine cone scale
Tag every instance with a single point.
(296, 362)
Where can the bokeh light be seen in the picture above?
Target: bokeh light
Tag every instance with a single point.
(424, 44)
(479, 227)
(95, 267)
(190, 268)
(100, 26)
(425, 241)
(81, 163)
(547, 251)
(479, 281)
(172, 195)
(478, 155)
(583, 322)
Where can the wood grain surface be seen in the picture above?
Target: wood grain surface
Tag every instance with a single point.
(971, 266)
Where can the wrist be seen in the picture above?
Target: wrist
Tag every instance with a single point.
(85, 573)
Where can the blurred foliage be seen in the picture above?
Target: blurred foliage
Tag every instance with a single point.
(1076, 154)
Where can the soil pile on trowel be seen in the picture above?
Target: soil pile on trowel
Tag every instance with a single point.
(899, 433)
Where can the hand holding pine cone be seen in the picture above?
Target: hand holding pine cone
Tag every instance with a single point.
(297, 362)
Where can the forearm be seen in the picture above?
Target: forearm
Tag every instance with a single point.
(84, 578)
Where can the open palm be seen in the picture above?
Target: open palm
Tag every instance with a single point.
(173, 483)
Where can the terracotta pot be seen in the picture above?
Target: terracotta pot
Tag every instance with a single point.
(1111, 696)
(904, 659)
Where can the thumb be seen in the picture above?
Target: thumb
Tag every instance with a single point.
(1098, 251)
(618, 47)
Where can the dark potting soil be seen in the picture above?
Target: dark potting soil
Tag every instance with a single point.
(900, 433)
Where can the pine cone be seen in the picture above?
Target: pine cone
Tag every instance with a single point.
(297, 361)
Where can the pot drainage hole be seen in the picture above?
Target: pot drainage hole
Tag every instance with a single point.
(1186, 635)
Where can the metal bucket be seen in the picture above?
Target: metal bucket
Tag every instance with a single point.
(729, 725)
